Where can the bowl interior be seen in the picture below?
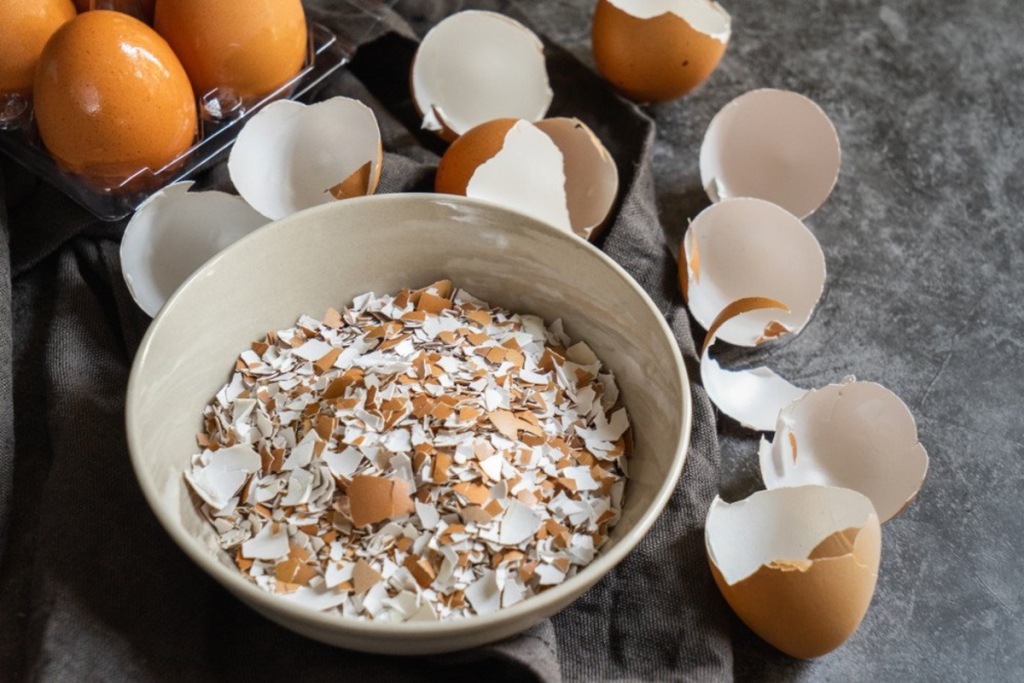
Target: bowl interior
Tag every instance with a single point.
(326, 256)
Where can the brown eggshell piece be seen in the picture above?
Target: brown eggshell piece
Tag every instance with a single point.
(469, 152)
(655, 59)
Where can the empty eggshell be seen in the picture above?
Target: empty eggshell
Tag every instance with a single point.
(774, 145)
(291, 156)
(475, 67)
(592, 178)
(657, 50)
(176, 231)
(752, 397)
(556, 170)
(857, 435)
(750, 247)
(798, 565)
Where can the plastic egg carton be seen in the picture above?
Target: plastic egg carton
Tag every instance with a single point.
(221, 116)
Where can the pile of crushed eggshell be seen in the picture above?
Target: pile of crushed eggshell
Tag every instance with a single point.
(798, 562)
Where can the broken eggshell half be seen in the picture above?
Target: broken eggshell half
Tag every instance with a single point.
(475, 67)
(774, 145)
(798, 565)
(752, 397)
(750, 247)
(858, 435)
(176, 231)
(657, 50)
(555, 170)
(291, 156)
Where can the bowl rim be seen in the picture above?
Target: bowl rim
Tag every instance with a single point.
(545, 603)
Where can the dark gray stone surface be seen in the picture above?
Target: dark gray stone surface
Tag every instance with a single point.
(924, 239)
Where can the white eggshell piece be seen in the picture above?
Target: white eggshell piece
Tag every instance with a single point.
(176, 231)
(774, 145)
(780, 524)
(475, 67)
(289, 156)
(527, 175)
(858, 435)
(751, 247)
(751, 397)
(704, 16)
(592, 178)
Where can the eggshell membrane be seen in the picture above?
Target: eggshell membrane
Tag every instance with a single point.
(660, 50)
(751, 247)
(591, 176)
(858, 435)
(752, 397)
(774, 145)
(798, 565)
(251, 47)
(290, 156)
(111, 98)
(26, 28)
(475, 67)
(176, 231)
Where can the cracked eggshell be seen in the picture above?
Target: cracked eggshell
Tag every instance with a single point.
(858, 435)
(176, 231)
(658, 50)
(750, 247)
(556, 170)
(752, 397)
(291, 156)
(798, 565)
(475, 67)
(774, 145)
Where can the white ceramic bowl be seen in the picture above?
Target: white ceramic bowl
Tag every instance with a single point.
(324, 257)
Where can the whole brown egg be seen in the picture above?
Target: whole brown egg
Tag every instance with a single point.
(24, 29)
(111, 98)
(251, 47)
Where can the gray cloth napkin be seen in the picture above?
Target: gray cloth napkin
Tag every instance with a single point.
(93, 589)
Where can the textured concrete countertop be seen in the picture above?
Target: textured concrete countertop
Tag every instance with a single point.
(924, 239)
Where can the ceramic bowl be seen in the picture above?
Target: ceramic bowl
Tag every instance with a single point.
(324, 257)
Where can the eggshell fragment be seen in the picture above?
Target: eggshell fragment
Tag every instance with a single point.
(556, 170)
(774, 145)
(291, 156)
(750, 247)
(657, 50)
(858, 435)
(176, 231)
(752, 397)
(798, 565)
(475, 67)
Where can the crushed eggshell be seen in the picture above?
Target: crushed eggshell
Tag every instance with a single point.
(752, 397)
(173, 233)
(857, 435)
(291, 156)
(774, 145)
(555, 170)
(476, 67)
(742, 248)
(658, 50)
(798, 564)
(413, 457)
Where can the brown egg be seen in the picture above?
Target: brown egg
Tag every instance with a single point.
(252, 47)
(111, 98)
(24, 29)
(468, 153)
(656, 57)
(143, 8)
